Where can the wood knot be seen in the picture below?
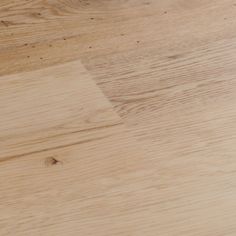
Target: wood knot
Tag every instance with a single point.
(6, 23)
(51, 161)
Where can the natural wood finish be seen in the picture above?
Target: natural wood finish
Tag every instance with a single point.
(161, 161)
(67, 165)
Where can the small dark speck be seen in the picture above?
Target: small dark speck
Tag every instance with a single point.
(64, 38)
(41, 58)
(39, 14)
(50, 45)
(28, 56)
(90, 47)
(225, 18)
(33, 46)
(138, 41)
(91, 18)
(26, 44)
(165, 12)
(122, 34)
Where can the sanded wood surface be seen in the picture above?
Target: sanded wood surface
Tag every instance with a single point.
(118, 117)
(67, 165)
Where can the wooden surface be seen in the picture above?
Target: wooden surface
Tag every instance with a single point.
(118, 117)
(67, 165)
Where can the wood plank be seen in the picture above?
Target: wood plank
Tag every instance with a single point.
(67, 165)
(69, 30)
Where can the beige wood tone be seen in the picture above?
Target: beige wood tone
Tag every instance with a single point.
(67, 166)
(169, 69)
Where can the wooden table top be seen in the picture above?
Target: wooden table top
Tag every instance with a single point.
(118, 117)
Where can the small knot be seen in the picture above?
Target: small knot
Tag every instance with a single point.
(51, 161)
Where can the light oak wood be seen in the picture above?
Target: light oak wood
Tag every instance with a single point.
(67, 165)
(155, 155)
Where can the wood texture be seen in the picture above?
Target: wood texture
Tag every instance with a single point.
(155, 155)
(67, 165)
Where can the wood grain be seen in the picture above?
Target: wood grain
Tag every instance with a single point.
(155, 155)
(67, 165)
(50, 107)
